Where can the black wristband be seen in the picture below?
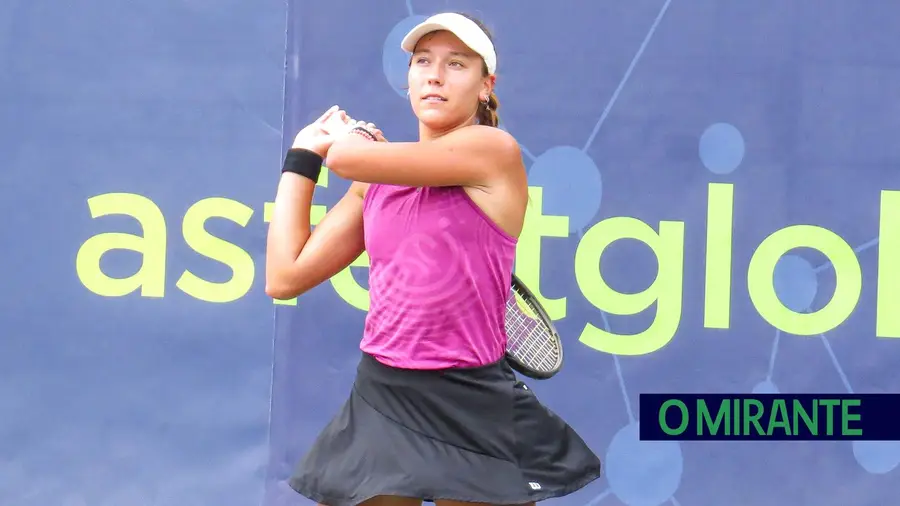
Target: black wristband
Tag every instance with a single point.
(303, 162)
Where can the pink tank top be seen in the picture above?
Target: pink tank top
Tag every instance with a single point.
(439, 278)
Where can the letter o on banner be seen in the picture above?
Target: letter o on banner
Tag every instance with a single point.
(848, 285)
(685, 417)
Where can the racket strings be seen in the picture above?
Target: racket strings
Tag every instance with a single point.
(531, 340)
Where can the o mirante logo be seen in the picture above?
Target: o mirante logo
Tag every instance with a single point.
(731, 417)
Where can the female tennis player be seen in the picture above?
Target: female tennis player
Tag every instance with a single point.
(435, 412)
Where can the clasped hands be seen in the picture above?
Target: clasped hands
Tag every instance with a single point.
(331, 126)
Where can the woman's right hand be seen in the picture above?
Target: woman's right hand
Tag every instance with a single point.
(315, 137)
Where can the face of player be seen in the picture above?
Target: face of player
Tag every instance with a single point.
(446, 82)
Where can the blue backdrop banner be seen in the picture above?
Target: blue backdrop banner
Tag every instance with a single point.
(715, 210)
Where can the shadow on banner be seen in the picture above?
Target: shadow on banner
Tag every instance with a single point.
(747, 157)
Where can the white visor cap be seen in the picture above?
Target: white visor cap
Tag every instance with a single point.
(464, 28)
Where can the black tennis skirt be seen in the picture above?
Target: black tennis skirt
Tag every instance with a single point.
(471, 434)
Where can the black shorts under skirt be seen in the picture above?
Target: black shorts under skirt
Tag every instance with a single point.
(473, 434)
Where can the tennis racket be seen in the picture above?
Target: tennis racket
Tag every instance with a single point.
(533, 348)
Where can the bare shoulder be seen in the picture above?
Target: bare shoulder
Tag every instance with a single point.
(489, 139)
(496, 147)
(505, 196)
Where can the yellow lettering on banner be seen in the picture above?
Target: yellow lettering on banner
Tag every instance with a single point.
(719, 232)
(846, 269)
(887, 313)
(665, 290)
(528, 252)
(201, 241)
(151, 277)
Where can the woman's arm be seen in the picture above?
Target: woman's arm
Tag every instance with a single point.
(473, 156)
(297, 260)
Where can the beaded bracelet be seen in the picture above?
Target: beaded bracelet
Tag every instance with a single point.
(364, 132)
